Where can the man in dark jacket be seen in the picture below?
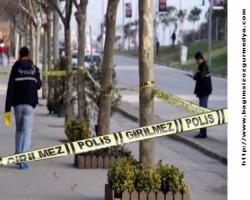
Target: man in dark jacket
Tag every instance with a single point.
(203, 86)
(22, 94)
(173, 37)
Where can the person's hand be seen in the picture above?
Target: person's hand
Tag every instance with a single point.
(189, 75)
(7, 119)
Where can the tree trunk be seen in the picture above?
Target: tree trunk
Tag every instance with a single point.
(44, 62)
(164, 35)
(216, 28)
(32, 42)
(194, 34)
(55, 35)
(17, 45)
(49, 55)
(38, 41)
(107, 69)
(81, 20)
(20, 42)
(69, 77)
(68, 101)
(12, 36)
(146, 56)
(225, 36)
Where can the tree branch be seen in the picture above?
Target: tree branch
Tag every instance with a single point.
(33, 6)
(75, 4)
(24, 8)
(27, 12)
(68, 12)
(51, 2)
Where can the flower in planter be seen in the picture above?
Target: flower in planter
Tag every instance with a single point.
(77, 130)
(147, 179)
(121, 175)
(172, 179)
(127, 174)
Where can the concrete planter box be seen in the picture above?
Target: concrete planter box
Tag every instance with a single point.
(94, 162)
(110, 195)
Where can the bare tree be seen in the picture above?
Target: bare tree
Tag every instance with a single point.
(33, 12)
(107, 69)
(45, 20)
(49, 49)
(80, 16)
(65, 18)
(55, 34)
(168, 18)
(44, 64)
(181, 14)
(11, 11)
(146, 57)
(194, 16)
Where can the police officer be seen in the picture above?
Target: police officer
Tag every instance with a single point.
(24, 81)
(203, 86)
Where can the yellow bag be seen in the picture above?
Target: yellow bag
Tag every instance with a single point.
(7, 119)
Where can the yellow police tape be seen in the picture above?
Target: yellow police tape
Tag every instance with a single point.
(54, 72)
(166, 96)
(171, 127)
(4, 73)
(172, 99)
(46, 73)
(179, 102)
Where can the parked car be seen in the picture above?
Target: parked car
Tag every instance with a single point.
(74, 58)
(89, 60)
(94, 59)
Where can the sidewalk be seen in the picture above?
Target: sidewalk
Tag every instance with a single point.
(214, 146)
(54, 179)
(58, 179)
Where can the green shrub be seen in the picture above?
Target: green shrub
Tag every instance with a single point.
(57, 84)
(77, 130)
(172, 179)
(147, 179)
(121, 175)
(53, 105)
(127, 174)
(95, 93)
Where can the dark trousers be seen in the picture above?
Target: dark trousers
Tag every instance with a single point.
(203, 101)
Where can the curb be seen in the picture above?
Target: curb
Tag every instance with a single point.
(224, 77)
(128, 115)
(184, 140)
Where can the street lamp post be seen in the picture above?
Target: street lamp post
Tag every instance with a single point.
(155, 27)
(129, 27)
(123, 18)
(210, 34)
(102, 26)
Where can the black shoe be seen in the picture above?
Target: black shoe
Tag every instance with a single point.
(200, 136)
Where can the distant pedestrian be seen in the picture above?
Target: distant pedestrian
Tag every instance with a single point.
(203, 86)
(22, 94)
(157, 47)
(173, 37)
(7, 52)
(2, 51)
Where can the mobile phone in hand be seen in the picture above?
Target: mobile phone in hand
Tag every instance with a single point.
(189, 75)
